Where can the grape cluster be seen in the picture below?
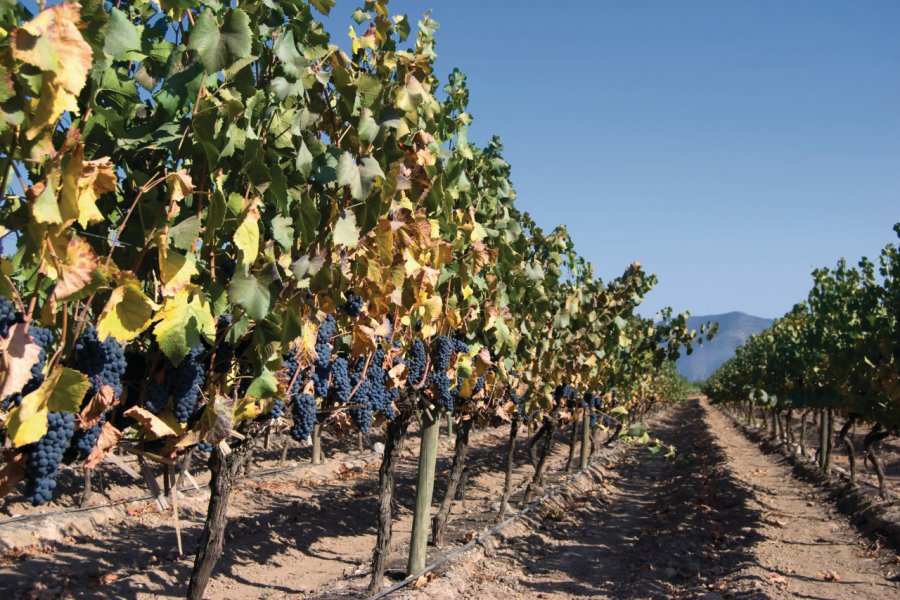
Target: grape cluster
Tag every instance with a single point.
(44, 339)
(354, 305)
(380, 398)
(84, 441)
(44, 456)
(156, 397)
(340, 381)
(304, 413)
(9, 316)
(104, 364)
(204, 447)
(277, 409)
(415, 362)
(186, 380)
(322, 364)
(182, 382)
(362, 416)
(441, 354)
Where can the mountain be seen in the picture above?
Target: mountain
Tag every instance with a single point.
(734, 329)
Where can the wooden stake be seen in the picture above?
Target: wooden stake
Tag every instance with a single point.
(171, 469)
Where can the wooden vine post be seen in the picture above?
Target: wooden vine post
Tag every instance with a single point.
(585, 440)
(424, 492)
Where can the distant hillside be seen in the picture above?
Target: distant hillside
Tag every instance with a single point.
(734, 329)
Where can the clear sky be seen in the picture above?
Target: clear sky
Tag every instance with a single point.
(729, 146)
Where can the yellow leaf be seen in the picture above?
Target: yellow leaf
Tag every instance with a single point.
(246, 409)
(246, 238)
(62, 391)
(52, 43)
(83, 182)
(175, 270)
(180, 185)
(127, 313)
(77, 266)
(48, 107)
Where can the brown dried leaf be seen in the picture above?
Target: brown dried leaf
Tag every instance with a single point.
(20, 353)
(99, 404)
(12, 473)
(109, 438)
(150, 422)
(78, 263)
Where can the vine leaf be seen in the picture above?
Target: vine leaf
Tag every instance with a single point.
(108, 439)
(153, 425)
(52, 43)
(219, 47)
(175, 270)
(123, 38)
(263, 386)
(127, 313)
(251, 294)
(62, 391)
(323, 6)
(345, 232)
(84, 181)
(184, 321)
(77, 267)
(246, 237)
(20, 354)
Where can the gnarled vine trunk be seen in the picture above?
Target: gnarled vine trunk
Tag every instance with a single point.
(538, 479)
(848, 443)
(872, 438)
(510, 464)
(395, 434)
(459, 461)
(224, 469)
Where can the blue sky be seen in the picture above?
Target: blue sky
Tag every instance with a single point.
(729, 146)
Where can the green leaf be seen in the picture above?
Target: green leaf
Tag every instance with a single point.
(292, 61)
(283, 231)
(123, 38)
(345, 232)
(219, 47)
(263, 386)
(251, 294)
(348, 174)
(304, 160)
(323, 6)
(184, 234)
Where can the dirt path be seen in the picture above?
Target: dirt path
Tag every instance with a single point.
(718, 520)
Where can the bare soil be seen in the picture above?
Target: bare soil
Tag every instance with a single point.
(718, 519)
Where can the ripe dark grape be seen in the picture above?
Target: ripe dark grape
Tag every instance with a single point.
(186, 380)
(340, 381)
(354, 305)
(415, 362)
(44, 456)
(84, 441)
(156, 397)
(441, 354)
(9, 316)
(380, 398)
(303, 411)
(322, 364)
(103, 362)
(277, 409)
(204, 447)
(362, 416)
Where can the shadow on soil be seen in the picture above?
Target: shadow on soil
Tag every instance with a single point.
(674, 524)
